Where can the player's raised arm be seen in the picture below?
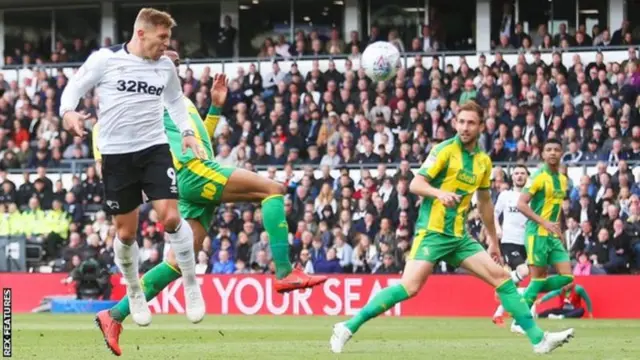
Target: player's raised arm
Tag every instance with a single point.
(86, 78)
(583, 294)
(531, 188)
(179, 114)
(218, 98)
(430, 169)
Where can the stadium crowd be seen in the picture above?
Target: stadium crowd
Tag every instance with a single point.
(328, 119)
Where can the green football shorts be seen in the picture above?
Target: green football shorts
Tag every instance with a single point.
(434, 247)
(200, 185)
(545, 250)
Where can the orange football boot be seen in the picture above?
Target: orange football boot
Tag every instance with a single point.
(297, 279)
(111, 330)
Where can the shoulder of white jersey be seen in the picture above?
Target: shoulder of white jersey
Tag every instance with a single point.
(166, 61)
(116, 48)
(100, 55)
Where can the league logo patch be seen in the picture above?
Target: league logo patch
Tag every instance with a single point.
(113, 205)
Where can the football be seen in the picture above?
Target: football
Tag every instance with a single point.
(380, 61)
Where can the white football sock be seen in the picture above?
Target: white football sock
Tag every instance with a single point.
(126, 258)
(182, 244)
(520, 273)
(515, 276)
(499, 311)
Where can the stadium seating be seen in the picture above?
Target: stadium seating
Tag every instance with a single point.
(366, 137)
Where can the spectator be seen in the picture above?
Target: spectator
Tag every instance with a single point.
(226, 38)
(223, 265)
(261, 246)
(153, 260)
(202, 264)
(365, 255)
(330, 265)
(388, 265)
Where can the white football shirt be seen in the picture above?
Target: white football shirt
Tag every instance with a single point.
(514, 221)
(132, 93)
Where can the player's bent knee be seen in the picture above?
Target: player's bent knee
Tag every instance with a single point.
(277, 188)
(499, 275)
(126, 236)
(170, 220)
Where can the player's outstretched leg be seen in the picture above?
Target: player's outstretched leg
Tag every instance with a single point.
(541, 284)
(520, 273)
(181, 239)
(248, 186)
(414, 276)
(126, 258)
(484, 267)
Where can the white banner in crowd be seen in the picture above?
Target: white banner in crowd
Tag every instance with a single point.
(24, 76)
(574, 173)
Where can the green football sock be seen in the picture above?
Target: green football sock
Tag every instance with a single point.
(556, 282)
(535, 287)
(515, 304)
(156, 279)
(383, 301)
(275, 222)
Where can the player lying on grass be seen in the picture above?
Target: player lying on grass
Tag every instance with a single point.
(203, 185)
(541, 202)
(511, 233)
(571, 304)
(448, 179)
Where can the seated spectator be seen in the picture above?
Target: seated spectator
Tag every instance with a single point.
(153, 260)
(305, 262)
(223, 265)
(387, 266)
(330, 265)
(261, 263)
(241, 267)
(202, 264)
(365, 255)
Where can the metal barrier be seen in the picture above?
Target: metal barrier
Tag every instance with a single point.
(226, 65)
(77, 167)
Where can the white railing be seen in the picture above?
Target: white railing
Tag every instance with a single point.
(230, 67)
(574, 173)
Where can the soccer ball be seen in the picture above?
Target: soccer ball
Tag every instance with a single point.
(380, 61)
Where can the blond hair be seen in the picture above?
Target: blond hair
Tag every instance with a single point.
(151, 17)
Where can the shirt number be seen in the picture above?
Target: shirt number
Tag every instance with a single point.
(208, 191)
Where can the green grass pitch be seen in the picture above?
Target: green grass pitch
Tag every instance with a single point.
(67, 337)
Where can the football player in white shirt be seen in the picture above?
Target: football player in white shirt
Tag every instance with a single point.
(511, 232)
(135, 83)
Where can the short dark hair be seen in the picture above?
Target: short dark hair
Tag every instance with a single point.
(522, 166)
(552, 141)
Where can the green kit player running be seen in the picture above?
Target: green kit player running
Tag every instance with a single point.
(454, 171)
(203, 184)
(541, 202)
